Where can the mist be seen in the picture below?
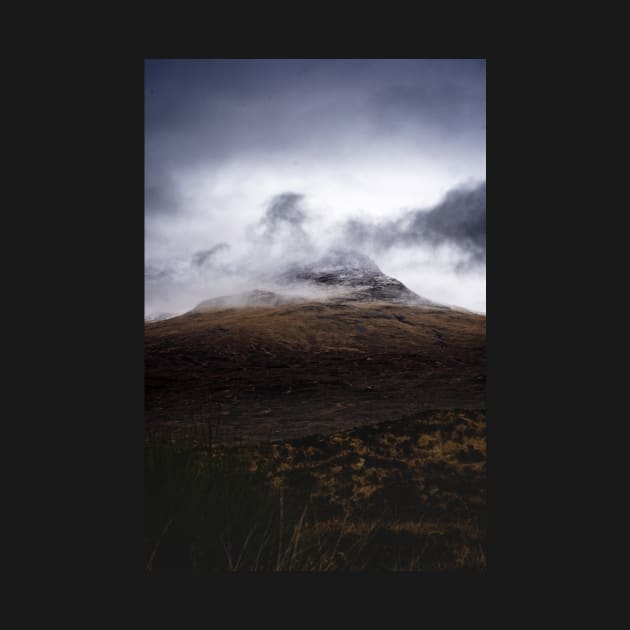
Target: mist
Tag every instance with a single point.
(251, 165)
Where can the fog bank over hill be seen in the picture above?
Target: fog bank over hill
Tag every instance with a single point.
(437, 253)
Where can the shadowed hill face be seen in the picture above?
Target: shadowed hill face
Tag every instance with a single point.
(298, 369)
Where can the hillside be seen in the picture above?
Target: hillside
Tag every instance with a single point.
(295, 369)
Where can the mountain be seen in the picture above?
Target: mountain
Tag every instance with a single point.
(344, 345)
(350, 275)
(339, 385)
(339, 276)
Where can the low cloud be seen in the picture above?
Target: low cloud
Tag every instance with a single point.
(284, 208)
(161, 199)
(203, 257)
(283, 229)
(458, 220)
(427, 249)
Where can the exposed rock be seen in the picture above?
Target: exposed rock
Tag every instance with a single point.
(354, 276)
(339, 276)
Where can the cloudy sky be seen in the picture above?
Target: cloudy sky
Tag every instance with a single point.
(250, 164)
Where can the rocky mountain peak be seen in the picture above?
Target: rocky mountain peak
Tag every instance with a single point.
(337, 276)
(352, 276)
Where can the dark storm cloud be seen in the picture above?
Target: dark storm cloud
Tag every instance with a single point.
(459, 219)
(451, 103)
(160, 199)
(203, 256)
(284, 208)
(155, 274)
(283, 224)
(207, 111)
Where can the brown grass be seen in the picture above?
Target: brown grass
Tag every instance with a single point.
(411, 494)
(274, 372)
(369, 417)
